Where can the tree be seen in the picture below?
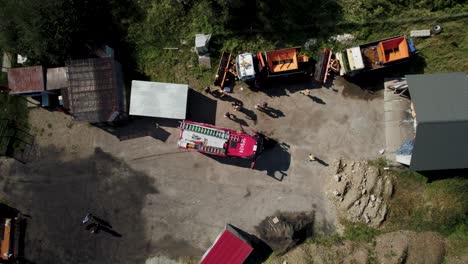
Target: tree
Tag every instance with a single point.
(52, 31)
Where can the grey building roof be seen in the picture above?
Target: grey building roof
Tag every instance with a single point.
(56, 78)
(156, 99)
(441, 105)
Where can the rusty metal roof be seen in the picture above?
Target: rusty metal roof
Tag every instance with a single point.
(96, 92)
(26, 80)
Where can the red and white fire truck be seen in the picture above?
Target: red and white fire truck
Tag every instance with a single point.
(219, 141)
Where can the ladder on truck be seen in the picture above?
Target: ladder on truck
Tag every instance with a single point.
(206, 131)
(213, 150)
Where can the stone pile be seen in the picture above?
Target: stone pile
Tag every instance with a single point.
(360, 192)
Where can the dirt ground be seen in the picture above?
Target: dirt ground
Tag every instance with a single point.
(173, 203)
(390, 248)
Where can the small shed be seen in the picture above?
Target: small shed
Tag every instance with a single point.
(26, 80)
(441, 112)
(7, 61)
(95, 90)
(56, 78)
(201, 43)
(229, 247)
(156, 99)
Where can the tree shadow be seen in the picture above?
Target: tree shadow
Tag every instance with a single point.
(58, 193)
(201, 108)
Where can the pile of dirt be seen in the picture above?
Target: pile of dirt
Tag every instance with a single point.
(390, 248)
(410, 247)
(345, 252)
(360, 192)
(285, 230)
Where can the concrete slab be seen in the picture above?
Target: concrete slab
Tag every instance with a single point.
(399, 123)
(169, 202)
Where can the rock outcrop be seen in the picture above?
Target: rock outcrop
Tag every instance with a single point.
(360, 192)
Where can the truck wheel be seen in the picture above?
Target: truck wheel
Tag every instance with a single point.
(436, 29)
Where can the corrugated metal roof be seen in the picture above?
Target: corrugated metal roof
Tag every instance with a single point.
(26, 80)
(440, 146)
(440, 102)
(56, 78)
(228, 248)
(439, 97)
(156, 99)
(96, 92)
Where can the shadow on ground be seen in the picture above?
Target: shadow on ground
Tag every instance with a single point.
(283, 86)
(137, 126)
(284, 230)
(364, 84)
(444, 174)
(201, 108)
(275, 159)
(57, 195)
(261, 251)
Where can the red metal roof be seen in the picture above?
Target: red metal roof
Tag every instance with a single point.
(26, 80)
(227, 249)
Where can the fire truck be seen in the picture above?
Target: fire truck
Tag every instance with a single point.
(219, 141)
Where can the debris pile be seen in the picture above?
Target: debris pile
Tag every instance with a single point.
(360, 191)
(284, 230)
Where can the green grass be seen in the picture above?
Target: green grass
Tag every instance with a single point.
(418, 205)
(167, 24)
(359, 232)
(3, 78)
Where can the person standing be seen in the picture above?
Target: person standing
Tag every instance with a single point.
(312, 157)
(87, 218)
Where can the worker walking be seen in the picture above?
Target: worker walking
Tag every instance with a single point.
(305, 92)
(261, 106)
(312, 157)
(237, 105)
(87, 218)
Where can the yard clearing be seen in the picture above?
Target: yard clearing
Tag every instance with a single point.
(172, 203)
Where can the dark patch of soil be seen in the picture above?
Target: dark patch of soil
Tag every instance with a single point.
(292, 229)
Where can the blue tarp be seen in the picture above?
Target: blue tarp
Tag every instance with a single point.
(406, 148)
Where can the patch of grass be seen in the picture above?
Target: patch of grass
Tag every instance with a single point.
(419, 205)
(326, 240)
(379, 163)
(359, 232)
(13, 107)
(3, 77)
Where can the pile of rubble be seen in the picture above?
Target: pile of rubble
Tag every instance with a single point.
(360, 192)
